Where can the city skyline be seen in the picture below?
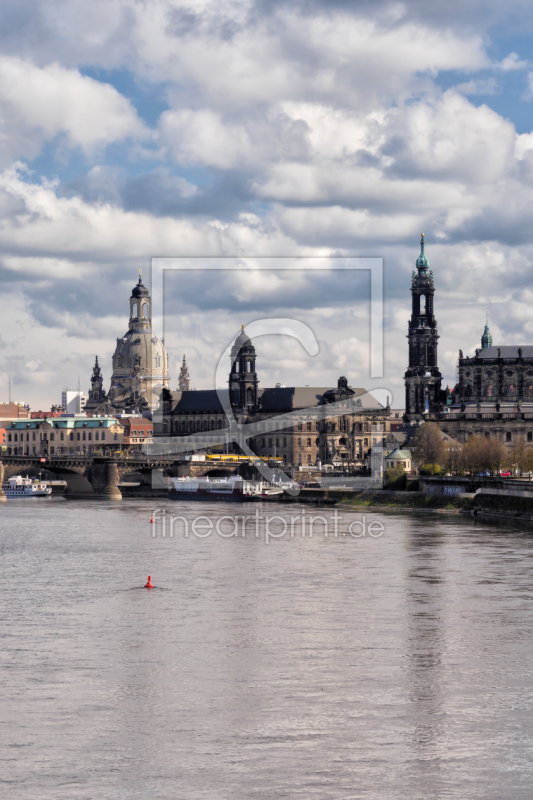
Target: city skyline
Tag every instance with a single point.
(242, 128)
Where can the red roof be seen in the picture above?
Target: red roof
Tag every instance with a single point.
(44, 414)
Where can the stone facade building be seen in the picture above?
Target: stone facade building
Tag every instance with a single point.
(344, 437)
(64, 436)
(493, 396)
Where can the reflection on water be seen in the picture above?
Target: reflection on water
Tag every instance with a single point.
(395, 666)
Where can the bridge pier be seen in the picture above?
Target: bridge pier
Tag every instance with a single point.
(3, 497)
(104, 479)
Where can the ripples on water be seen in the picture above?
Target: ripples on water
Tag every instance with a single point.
(392, 667)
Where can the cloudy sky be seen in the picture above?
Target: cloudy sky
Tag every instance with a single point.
(139, 128)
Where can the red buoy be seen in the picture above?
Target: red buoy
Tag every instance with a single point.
(152, 519)
(149, 584)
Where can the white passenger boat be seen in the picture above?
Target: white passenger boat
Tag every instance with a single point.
(234, 488)
(17, 486)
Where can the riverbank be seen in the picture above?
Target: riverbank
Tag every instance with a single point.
(408, 501)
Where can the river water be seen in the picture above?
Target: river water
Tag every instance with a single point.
(343, 666)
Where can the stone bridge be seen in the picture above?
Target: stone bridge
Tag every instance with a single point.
(97, 477)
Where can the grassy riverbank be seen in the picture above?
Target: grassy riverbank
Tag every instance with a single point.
(407, 500)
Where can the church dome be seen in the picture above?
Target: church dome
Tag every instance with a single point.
(140, 361)
(140, 289)
(142, 349)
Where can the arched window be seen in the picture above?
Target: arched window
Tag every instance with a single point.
(52, 437)
(528, 390)
(249, 396)
(422, 303)
(71, 436)
(134, 310)
(249, 366)
(8, 437)
(145, 310)
(52, 451)
(508, 436)
(509, 391)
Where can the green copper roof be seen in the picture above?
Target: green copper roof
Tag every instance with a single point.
(486, 339)
(421, 261)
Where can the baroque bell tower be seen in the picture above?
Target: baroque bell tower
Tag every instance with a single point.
(243, 381)
(423, 378)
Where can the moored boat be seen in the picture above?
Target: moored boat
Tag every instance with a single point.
(17, 486)
(234, 488)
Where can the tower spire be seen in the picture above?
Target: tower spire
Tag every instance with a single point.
(486, 339)
(184, 379)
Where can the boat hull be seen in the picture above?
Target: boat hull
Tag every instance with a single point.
(227, 497)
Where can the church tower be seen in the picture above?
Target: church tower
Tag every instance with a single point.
(422, 379)
(140, 361)
(243, 382)
(97, 392)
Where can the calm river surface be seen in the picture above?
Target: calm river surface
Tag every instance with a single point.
(397, 666)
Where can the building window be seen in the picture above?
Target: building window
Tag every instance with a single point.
(308, 426)
(103, 435)
(116, 437)
(366, 443)
(52, 437)
(90, 436)
(270, 442)
(62, 436)
(78, 436)
(96, 435)
(299, 442)
(309, 442)
(262, 442)
(71, 436)
(52, 451)
(33, 437)
(15, 438)
(529, 436)
(508, 436)
(284, 441)
(84, 436)
(9, 437)
(277, 442)
(299, 426)
(309, 458)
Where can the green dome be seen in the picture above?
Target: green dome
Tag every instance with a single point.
(421, 261)
(486, 339)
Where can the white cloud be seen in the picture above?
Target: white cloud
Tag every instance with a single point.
(488, 86)
(512, 62)
(38, 103)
